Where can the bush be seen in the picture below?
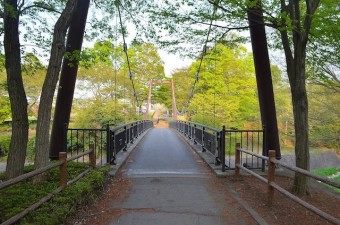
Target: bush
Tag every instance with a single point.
(16, 198)
(5, 140)
(30, 153)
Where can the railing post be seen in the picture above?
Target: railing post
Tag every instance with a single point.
(223, 148)
(237, 159)
(92, 155)
(203, 139)
(65, 137)
(108, 144)
(264, 147)
(126, 138)
(271, 176)
(195, 142)
(63, 169)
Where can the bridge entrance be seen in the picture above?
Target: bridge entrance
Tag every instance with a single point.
(148, 104)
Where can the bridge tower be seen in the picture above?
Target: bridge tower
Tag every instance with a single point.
(148, 103)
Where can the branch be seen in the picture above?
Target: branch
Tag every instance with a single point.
(310, 11)
(215, 3)
(50, 9)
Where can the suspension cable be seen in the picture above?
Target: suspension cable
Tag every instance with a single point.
(204, 51)
(127, 56)
(215, 71)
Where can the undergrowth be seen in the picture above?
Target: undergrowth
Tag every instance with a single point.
(16, 198)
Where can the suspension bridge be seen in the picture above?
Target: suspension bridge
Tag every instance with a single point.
(172, 169)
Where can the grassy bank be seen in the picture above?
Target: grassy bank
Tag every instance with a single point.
(333, 173)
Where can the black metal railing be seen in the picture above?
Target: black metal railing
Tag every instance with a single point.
(120, 137)
(220, 143)
(78, 140)
(108, 141)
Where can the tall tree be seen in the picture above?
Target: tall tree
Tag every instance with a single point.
(49, 86)
(299, 17)
(68, 78)
(17, 95)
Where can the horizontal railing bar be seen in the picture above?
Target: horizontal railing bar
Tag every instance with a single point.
(305, 204)
(85, 129)
(307, 173)
(129, 124)
(79, 176)
(38, 171)
(252, 173)
(28, 175)
(79, 155)
(201, 125)
(252, 153)
(243, 131)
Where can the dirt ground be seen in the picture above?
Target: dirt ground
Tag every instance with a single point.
(283, 210)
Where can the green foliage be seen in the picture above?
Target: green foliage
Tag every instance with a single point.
(30, 149)
(105, 70)
(16, 198)
(5, 140)
(333, 173)
(325, 172)
(226, 91)
(324, 117)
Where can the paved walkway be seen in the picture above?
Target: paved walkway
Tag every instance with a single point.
(171, 185)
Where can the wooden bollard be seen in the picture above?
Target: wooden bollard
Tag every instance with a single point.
(271, 176)
(63, 169)
(237, 159)
(92, 155)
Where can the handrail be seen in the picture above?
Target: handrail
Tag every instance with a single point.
(272, 185)
(201, 125)
(87, 129)
(307, 173)
(79, 155)
(28, 175)
(253, 154)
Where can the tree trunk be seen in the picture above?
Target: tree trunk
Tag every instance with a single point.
(296, 70)
(16, 91)
(50, 83)
(68, 79)
(300, 110)
(264, 80)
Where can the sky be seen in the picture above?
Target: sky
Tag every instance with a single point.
(172, 62)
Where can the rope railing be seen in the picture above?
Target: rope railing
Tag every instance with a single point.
(273, 163)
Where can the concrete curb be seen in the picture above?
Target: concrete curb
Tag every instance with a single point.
(123, 155)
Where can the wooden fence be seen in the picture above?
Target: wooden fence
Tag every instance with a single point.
(63, 182)
(272, 163)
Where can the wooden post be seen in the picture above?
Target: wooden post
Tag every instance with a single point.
(237, 159)
(63, 169)
(92, 155)
(271, 176)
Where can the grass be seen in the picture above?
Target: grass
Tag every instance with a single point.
(333, 173)
(16, 198)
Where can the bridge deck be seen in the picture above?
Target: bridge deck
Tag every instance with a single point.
(171, 185)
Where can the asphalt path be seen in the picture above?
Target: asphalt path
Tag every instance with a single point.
(171, 185)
